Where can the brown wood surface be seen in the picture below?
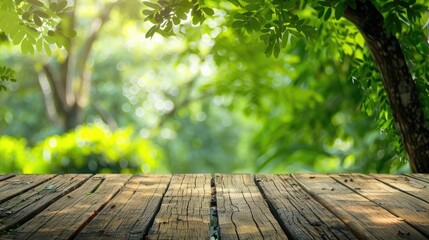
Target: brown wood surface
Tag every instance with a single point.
(130, 213)
(299, 214)
(264, 206)
(65, 217)
(243, 212)
(367, 219)
(11, 187)
(25, 206)
(412, 210)
(185, 208)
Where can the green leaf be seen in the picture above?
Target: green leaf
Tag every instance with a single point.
(152, 5)
(26, 15)
(17, 38)
(61, 5)
(339, 10)
(176, 20)
(252, 7)
(151, 31)
(208, 11)
(37, 20)
(53, 6)
(255, 24)
(276, 50)
(328, 14)
(181, 15)
(269, 49)
(36, 3)
(237, 24)
(147, 12)
(47, 49)
(168, 27)
(39, 44)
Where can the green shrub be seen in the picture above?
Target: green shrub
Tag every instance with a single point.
(88, 149)
(13, 154)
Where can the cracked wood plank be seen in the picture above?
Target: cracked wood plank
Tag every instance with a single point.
(129, 214)
(410, 209)
(12, 187)
(366, 219)
(65, 217)
(300, 215)
(185, 208)
(22, 207)
(420, 176)
(412, 186)
(243, 212)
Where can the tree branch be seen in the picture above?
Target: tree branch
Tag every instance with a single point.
(85, 76)
(57, 89)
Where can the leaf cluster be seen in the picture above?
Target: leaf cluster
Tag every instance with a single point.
(35, 25)
(165, 14)
(402, 14)
(6, 75)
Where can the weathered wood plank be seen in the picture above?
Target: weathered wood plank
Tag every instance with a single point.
(19, 184)
(299, 214)
(413, 210)
(129, 213)
(366, 219)
(65, 217)
(22, 207)
(412, 186)
(184, 212)
(5, 176)
(420, 176)
(243, 213)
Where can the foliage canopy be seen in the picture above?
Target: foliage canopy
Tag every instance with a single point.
(300, 105)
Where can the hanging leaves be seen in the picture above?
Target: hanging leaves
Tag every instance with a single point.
(166, 14)
(6, 75)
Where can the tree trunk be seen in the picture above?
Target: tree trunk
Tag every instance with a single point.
(72, 117)
(400, 87)
(69, 81)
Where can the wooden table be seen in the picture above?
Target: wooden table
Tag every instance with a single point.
(195, 206)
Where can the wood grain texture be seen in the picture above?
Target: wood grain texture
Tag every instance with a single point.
(409, 185)
(129, 214)
(410, 209)
(265, 206)
(243, 213)
(299, 214)
(184, 212)
(20, 208)
(12, 187)
(64, 218)
(367, 219)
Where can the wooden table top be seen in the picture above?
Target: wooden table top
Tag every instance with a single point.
(227, 206)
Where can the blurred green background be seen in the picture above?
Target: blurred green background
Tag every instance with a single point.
(206, 100)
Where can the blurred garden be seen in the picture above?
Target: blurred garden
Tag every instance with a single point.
(114, 96)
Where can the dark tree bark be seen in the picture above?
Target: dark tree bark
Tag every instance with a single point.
(400, 87)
